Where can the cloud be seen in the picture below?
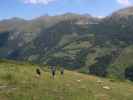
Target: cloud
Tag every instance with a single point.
(124, 2)
(45, 2)
(101, 17)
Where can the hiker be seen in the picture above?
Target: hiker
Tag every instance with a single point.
(53, 70)
(38, 72)
(62, 71)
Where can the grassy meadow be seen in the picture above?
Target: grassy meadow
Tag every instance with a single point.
(18, 81)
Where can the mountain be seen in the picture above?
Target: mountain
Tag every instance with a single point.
(83, 43)
(40, 31)
(18, 81)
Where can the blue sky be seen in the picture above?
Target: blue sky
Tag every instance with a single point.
(29, 9)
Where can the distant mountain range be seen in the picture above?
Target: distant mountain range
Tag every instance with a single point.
(102, 47)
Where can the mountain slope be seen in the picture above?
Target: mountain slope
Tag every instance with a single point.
(18, 81)
(77, 42)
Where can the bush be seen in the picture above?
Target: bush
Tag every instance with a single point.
(129, 73)
(100, 67)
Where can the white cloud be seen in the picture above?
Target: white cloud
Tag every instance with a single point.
(45, 2)
(124, 2)
(101, 17)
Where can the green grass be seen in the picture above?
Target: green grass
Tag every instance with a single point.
(125, 58)
(21, 83)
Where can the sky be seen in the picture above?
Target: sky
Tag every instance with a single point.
(29, 9)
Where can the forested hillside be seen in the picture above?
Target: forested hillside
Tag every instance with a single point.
(87, 44)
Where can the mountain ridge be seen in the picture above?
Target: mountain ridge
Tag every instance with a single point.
(77, 42)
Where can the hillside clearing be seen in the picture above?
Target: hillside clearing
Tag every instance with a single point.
(19, 82)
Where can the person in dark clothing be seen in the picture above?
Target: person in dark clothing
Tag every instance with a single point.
(38, 72)
(62, 71)
(53, 70)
